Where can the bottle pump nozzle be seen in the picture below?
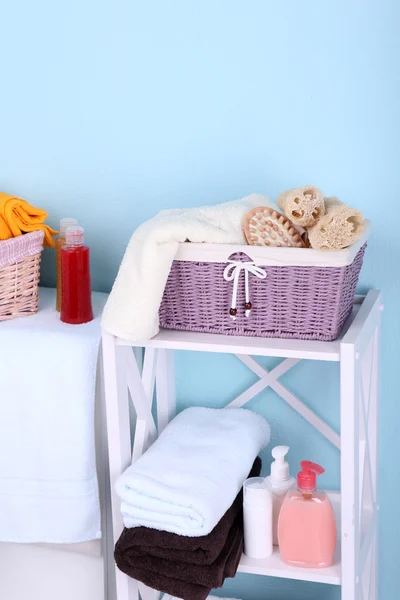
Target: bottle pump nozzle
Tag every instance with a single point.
(307, 477)
(280, 468)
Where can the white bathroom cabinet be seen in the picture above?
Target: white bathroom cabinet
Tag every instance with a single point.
(128, 380)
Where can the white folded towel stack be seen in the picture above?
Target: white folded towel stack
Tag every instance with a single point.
(190, 476)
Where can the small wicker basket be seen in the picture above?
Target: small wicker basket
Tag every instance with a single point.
(19, 275)
(261, 292)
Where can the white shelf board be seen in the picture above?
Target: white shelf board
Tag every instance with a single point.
(255, 346)
(273, 566)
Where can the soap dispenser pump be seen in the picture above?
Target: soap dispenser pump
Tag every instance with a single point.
(280, 482)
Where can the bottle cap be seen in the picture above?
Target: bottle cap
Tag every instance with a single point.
(280, 468)
(65, 223)
(307, 477)
(74, 236)
(255, 489)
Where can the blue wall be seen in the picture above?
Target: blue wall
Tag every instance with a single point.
(111, 111)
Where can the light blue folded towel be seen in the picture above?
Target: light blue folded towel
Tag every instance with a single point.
(190, 476)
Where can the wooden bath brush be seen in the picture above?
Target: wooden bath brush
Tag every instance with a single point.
(264, 226)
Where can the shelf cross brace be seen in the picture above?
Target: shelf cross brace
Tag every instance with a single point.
(270, 379)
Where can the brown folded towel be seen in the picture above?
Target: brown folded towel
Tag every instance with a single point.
(174, 587)
(196, 581)
(186, 567)
(211, 575)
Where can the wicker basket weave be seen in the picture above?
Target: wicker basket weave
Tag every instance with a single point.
(304, 302)
(19, 275)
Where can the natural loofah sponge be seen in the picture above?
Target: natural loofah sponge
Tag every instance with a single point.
(340, 227)
(303, 206)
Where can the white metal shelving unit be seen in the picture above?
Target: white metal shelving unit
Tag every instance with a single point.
(357, 351)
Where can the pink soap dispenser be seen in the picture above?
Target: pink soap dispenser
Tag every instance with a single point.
(306, 526)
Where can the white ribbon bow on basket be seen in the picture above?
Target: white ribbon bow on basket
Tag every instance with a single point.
(232, 273)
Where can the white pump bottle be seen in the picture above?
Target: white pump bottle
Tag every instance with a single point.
(280, 482)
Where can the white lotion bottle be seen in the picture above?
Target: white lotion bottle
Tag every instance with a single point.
(257, 518)
(280, 482)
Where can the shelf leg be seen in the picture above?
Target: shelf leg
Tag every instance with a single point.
(372, 421)
(165, 388)
(349, 471)
(359, 376)
(119, 448)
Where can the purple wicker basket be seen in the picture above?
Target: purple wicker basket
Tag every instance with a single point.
(305, 302)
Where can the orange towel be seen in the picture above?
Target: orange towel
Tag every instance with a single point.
(17, 216)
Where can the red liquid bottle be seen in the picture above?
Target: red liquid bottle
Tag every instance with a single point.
(76, 298)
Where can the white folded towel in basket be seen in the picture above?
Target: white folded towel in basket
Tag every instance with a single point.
(190, 476)
(132, 308)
